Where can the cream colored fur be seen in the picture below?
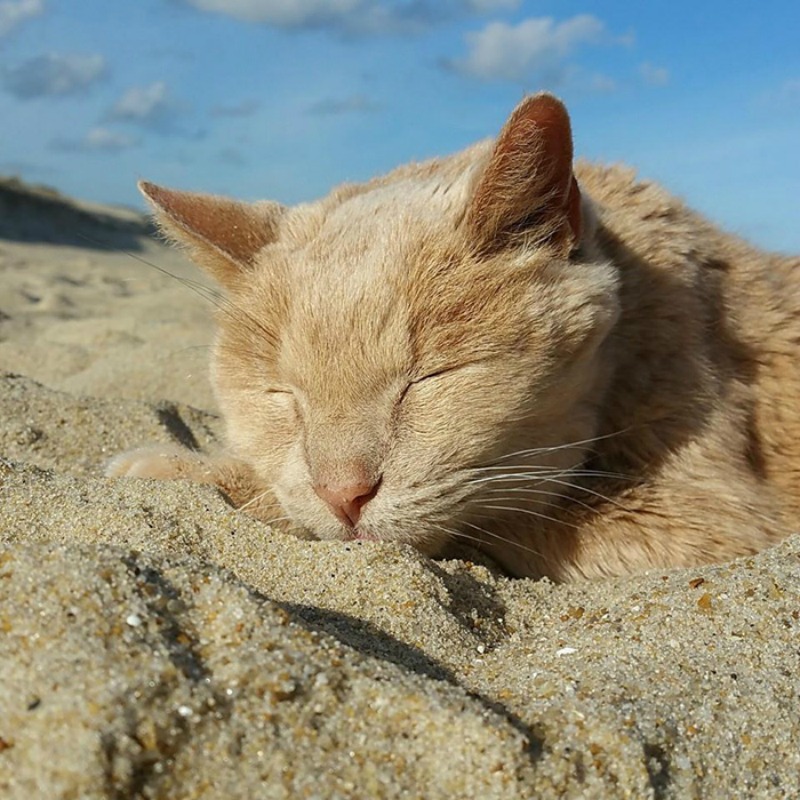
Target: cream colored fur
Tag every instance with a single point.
(587, 382)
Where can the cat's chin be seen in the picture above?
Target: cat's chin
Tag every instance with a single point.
(430, 544)
(361, 536)
(427, 546)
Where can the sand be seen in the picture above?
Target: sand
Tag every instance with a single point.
(155, 643)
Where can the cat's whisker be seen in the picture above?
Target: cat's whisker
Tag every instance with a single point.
(539, 451)
(253, 500)
(544, 476)
(456, 533)
(532, 470)
(529, 512)
(504, 540)
(594, 473)
(211, 295)
(593, 492)
(492, 490)
(277, 519)
(253, 324)
(273, 520)
(581, 443)
(580, 473)
(201, 289)
(543, 469)
(494, 494)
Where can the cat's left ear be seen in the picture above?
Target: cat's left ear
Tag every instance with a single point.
(528, 186)
(223, 236)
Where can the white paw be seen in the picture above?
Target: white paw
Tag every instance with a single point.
(160, 462)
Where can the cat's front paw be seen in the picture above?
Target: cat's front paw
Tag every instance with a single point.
(161, 462)
(235, 479)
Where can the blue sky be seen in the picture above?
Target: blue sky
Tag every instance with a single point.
(283, 99)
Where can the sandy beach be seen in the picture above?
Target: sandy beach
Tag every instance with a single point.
(155, 643)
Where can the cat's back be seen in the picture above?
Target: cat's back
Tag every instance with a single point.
(642, 218)
(713, 293)
(755, 293)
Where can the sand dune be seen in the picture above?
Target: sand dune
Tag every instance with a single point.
(155, 643)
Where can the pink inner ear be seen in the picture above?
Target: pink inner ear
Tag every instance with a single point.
(530, 172)
(551, 121)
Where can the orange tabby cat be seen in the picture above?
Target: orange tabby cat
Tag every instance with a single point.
(572, 369)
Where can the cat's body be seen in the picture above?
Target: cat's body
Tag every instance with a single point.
(587, 381)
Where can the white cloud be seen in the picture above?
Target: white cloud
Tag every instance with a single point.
(534, 46)
(655, 76)
(54, 74)
(15, 12)
(487, 6)
(97, 139)
(351, 17)
(154, 108)
(282, 13)
(143, 104)
(105, 139)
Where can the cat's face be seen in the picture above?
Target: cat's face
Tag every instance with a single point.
(373, 347)
(391, 370)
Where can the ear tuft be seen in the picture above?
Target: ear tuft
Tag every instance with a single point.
(528, 186)
(222, 235)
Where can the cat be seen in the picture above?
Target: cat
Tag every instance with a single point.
(557, 362)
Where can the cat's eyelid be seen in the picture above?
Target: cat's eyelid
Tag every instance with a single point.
(435, 373)
(444, 370)
(415, 381)
(412, 381)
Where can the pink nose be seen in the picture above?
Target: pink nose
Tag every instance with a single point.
(346, 502)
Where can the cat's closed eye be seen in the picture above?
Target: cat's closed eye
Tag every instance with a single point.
(430, 376)
(283, 399)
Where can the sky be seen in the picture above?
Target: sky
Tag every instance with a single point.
(284, 99)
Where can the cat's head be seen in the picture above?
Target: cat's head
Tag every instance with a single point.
(394, 358)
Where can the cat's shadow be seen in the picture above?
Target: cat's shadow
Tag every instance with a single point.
(369, 640)
(464, 592)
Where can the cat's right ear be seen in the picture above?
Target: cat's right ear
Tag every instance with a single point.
(223, 236)
(527, 187)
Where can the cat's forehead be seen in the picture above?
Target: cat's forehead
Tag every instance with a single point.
(380, 275)
(423, 198)
(355, 251)
(392, 209)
